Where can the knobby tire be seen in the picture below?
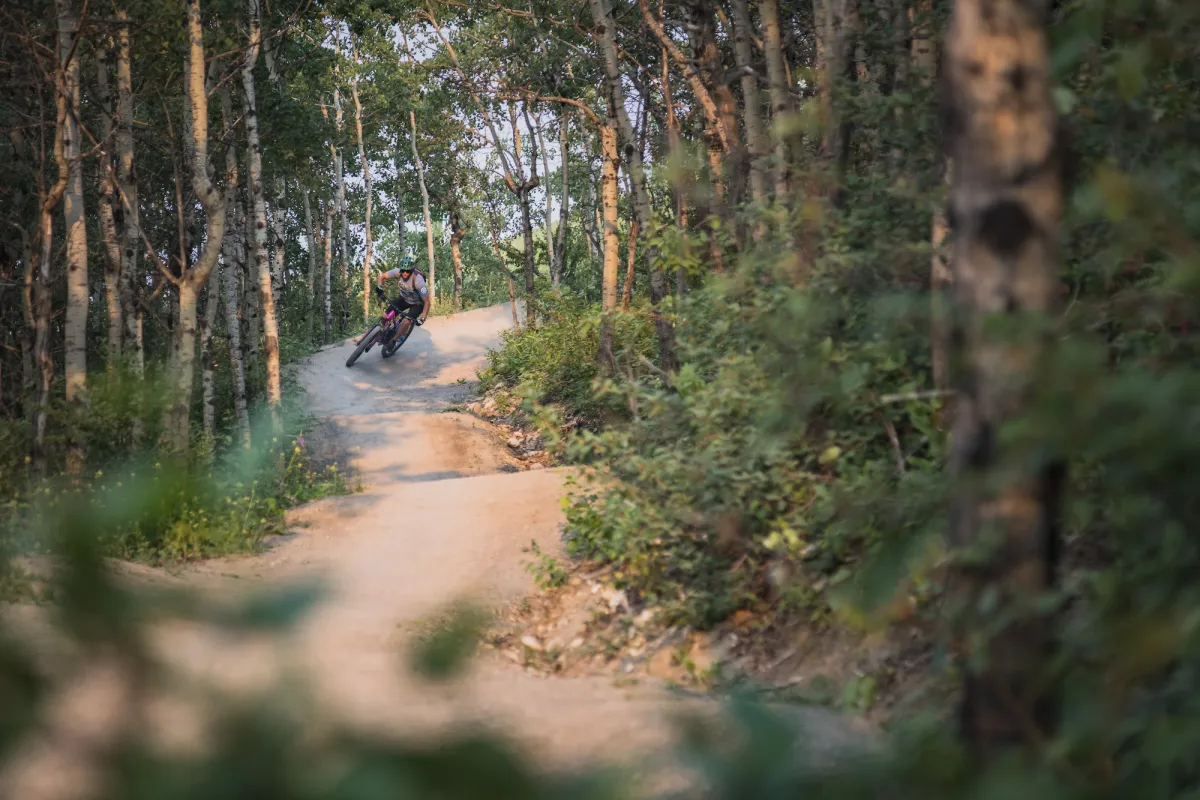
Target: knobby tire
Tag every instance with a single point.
(401, 337)
(367, 340)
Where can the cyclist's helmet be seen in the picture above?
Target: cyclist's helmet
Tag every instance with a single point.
(406, 264)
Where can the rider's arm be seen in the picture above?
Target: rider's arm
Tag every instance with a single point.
(423, 289)
(383, 276)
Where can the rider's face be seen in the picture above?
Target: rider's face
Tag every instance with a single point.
(406, 273)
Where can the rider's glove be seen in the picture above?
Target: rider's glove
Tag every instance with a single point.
(379, 291)
(420, 321)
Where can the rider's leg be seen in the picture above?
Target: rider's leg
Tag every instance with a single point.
(408, 310)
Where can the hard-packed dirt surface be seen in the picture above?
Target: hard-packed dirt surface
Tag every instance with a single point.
(445, 515)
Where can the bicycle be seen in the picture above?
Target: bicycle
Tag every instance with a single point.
(388, 330)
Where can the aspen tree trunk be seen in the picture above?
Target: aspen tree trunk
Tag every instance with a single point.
(609, 188)
(674, 145)
(713, 123)
(537, 119)
(726, 155)
(401, 233)
(641, 197)
(261, 263)
(344, 217)
(768, 11)
(524, 192)
(41, 291)
(1007, 202)
(214, 206)
(251, 304)
(310, 235)
(752, 111)
(131, 233)
(941, 278)
(234, 254)
(558, 262)
(75, 324)
(327, 278)
(366, 168)
(208, 361)
(107, 211)
(279, 243)
(458, 230)
(412, 120)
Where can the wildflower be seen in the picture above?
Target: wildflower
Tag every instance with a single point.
(300, 441)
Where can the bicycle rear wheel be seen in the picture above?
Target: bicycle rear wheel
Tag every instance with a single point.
(404, 329)
(364, 345)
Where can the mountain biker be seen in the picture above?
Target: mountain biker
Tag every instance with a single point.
(414, 292)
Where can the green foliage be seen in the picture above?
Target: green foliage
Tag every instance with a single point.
(751, 455)
(443, 649)
(546, 571)
(556, 361)
(200, 509)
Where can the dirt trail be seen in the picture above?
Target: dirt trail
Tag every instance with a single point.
(441, 519)
(438, 522)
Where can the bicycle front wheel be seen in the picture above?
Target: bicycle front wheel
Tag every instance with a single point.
(367, 340)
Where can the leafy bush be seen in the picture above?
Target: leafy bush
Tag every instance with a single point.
(747, 457)
(199, 508)
(555, 361)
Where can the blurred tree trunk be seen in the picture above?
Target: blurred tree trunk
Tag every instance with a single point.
(107, 208)
(524, 192)
(641, 197)
(208, 361)
(75, 226)
(262, 263)
(559, 260)
(366, 168)
(609, 189)
(401, 233)
(278, 220)
(781, 102)
(131, 285)
(729, 159)
(458, 231)
(412, 121)
(310, 233)
(752, 105)
(192, 279)
(541, 140)
(234, 254)
(1006, 197)
(941, 278)
(344, 217)
(43, 250)
(327, 279)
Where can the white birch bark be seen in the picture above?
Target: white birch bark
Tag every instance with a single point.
(107, 209)
(76, 251)
(310, 287)
(261, 263)
(412, 119)
(234, 254)
(326, 280)
(131, 224)
(193, 279)
(279, 239)
(366, 168)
